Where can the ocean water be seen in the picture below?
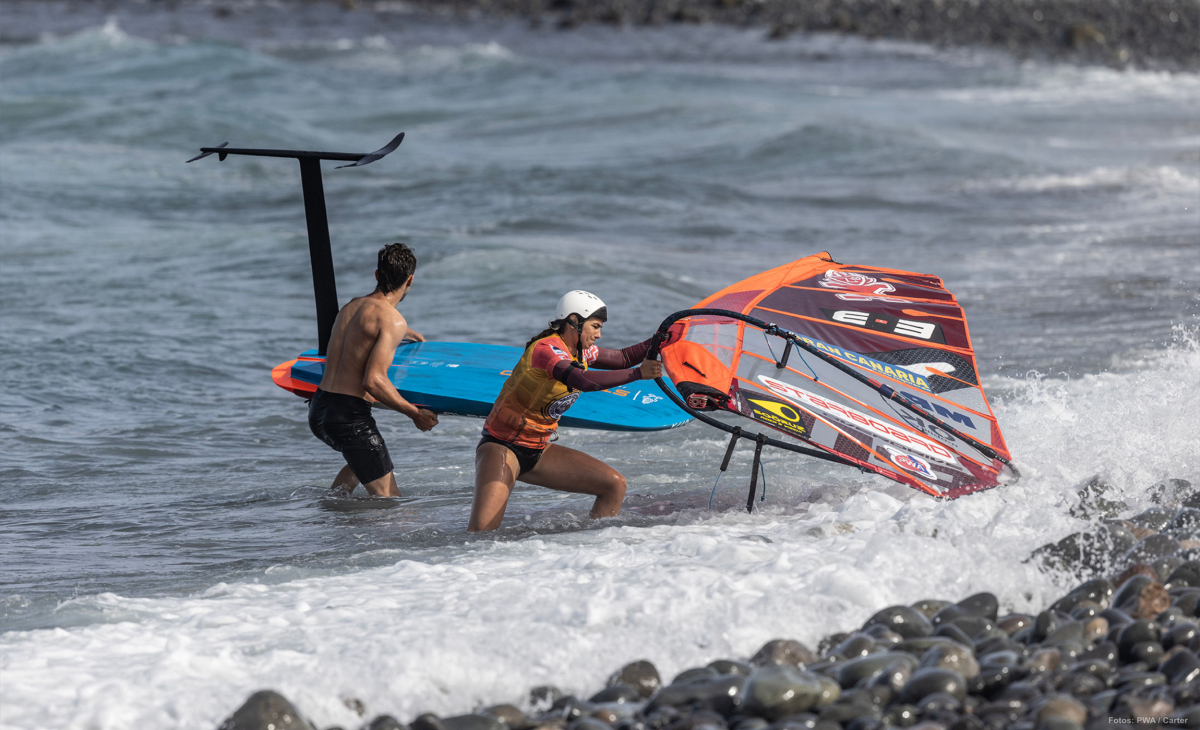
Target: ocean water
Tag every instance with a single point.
(167, 543)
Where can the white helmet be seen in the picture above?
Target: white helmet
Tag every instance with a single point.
(585, 304)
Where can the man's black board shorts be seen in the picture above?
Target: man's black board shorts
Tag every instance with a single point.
(345, 423)
(527, 458)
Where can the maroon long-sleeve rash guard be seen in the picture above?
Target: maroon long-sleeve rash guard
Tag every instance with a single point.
(618, 368)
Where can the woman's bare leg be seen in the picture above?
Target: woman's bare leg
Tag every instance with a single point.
(568, 470)
(496, 470)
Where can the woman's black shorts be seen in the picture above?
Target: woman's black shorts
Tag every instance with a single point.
(527, 457)
(345, 423)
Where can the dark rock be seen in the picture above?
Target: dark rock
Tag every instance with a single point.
(615, 693)
(1149, 652)
(569, 708)
(948, 656)
(1014, 622)
(266, 710)
(1087, 551)
(1116, 617)
(920, 645)
(1081, 684)
(938, 703)
(1134, 633)
(544, 695)
(1185, 521)
(1043, 661)
(930, 606)
(994, 644)
(1004, 658)
(1187, 603)
(907, 622)
(901, 715)
(1180, 634)
(641, 675)
(783, 651)
(1181, 667)
(927, 680)
(1151, 548)
(472, 722)
(966, 722)
(855, 645)
(853, 671)
(981, 604)
(694, 673)
(1165, 566)
(826, 644)
(751, 723)
(588, 723)
(1153, 519)
(728, 666)
(1086, 610)
(427, 721)
(1092, 501)
(891, 680)
(1187, 574)
(954, 633)
(844, 712)
(1098, 591)
(385, 722)
(948, 613)
(778, 690)
(1063, 706)
(882, 634)
(1173, 492)
(720, 694)
(700, 719)
(510, 715)
(1105, 651)
(1067, 631)
(1139, 679)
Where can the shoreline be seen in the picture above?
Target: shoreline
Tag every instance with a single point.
(1120, 648)
(1154, 34)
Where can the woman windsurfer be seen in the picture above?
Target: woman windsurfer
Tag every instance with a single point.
(544, 384)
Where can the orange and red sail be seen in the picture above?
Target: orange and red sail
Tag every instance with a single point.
(883, 374)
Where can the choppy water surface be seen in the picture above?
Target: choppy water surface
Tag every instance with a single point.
(167, 544)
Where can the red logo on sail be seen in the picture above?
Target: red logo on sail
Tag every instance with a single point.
(865, 288)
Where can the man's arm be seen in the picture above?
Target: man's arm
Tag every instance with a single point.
(376, 382)
(413, 335)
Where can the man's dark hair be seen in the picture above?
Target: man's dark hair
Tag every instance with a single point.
(396, 264)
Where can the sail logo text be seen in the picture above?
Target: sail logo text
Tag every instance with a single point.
(904, 375)
(865, 288)
(800, 397)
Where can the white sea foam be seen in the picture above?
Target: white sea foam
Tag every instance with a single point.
(1163, 178)
(484, 623)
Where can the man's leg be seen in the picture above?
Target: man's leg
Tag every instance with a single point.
(345, 481)
(568, 470)
(384, 486)
(496, 470)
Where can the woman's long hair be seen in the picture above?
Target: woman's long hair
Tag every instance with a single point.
(555, 330)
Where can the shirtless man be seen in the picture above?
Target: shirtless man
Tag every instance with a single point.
(364, 340)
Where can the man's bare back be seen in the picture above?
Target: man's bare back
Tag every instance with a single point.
(365, 336)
